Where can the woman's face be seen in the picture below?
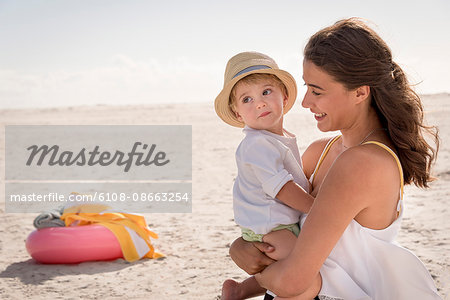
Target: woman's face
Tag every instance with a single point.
(327, 99)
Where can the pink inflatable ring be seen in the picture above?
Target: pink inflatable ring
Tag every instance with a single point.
(71, 245)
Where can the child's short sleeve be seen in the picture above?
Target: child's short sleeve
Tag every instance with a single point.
(265, 159)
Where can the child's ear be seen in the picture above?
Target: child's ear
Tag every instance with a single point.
(238, 116)
(285, 101)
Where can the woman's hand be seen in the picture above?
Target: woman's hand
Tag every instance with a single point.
(249, 256)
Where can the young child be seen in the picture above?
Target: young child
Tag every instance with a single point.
(270, 190)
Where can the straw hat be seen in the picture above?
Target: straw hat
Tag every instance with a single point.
(244, 64)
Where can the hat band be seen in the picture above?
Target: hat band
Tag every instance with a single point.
(252, 68)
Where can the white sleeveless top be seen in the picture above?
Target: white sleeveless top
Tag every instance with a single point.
(368, 264)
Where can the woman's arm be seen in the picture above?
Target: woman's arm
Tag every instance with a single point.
(351, 185)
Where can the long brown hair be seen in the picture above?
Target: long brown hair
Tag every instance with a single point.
(354, 55)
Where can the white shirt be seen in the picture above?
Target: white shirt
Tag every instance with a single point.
(266, 162)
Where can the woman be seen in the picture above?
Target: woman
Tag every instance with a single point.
(357, 177)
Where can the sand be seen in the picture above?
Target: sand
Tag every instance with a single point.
(196, 244)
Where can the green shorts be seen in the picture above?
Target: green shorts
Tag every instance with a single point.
(250, 236)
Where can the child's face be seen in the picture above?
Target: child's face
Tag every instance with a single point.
(260, 105)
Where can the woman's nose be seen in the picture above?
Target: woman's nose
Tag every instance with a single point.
(306, 101)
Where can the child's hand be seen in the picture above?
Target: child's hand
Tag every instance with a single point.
(264, 247)
(249, 256)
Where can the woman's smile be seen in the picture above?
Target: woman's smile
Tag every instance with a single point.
(319, 116)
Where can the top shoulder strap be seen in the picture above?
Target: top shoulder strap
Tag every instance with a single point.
(396, 159)
(322, 156)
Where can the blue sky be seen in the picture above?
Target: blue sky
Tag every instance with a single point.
(61, 53)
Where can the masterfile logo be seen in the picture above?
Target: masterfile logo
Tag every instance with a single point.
(137, 168)
(85, 157)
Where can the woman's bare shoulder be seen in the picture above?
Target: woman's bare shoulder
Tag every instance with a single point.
(367, 179)
(318, 144)
(368, 165)
(312, 154)
(367, 159)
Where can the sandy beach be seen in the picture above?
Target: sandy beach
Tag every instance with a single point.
(196, 244)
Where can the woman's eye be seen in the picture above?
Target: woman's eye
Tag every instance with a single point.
(246, 100)
(315, 93)
(267, 92)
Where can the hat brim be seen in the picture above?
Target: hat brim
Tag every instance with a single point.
(223, 109)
